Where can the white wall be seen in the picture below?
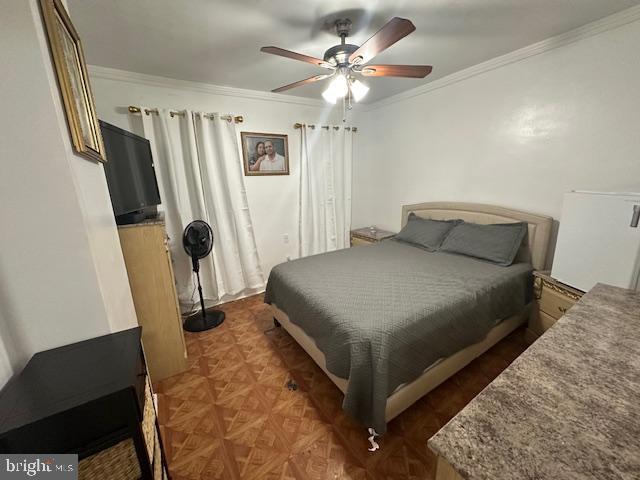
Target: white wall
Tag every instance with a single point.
(104, 242)
(520, 135)
(273, 200)
(6, 367)
(62, 277)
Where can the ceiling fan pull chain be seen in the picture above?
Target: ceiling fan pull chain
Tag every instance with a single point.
(344, 109)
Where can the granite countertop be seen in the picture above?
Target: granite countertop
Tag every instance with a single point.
(567, 408)
(157, 220)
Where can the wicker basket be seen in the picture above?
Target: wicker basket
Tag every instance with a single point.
(119, 462)
(157, 463)
(149, 421)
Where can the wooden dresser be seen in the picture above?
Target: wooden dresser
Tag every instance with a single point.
(369, 235)
(553, 299)
(93, 399)
(150, 272)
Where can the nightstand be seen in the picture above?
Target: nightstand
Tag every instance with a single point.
(553, 299)
(369, 235)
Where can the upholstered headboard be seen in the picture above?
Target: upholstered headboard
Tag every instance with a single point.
(535, 245)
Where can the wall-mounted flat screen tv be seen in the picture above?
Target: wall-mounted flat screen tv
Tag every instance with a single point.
(131, 176)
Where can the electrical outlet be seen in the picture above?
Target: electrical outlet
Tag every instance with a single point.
(285, 238)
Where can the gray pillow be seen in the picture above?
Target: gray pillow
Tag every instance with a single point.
(497, 243)
(425, 232)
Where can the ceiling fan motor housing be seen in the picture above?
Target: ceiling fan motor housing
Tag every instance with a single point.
(339, 54)
(343, 27)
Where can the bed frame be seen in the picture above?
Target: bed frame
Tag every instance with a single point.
(533, 249)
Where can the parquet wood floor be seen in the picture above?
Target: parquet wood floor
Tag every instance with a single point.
(231, 415)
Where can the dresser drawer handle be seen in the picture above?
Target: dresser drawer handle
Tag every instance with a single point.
(563, 310)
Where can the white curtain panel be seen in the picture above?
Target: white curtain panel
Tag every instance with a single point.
(200, 178)
(169, 137)
(325, 189)
(224, 199)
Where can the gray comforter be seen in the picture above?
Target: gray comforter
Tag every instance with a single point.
(382, 314)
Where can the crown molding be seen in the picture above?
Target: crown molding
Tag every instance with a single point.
(594, 28)
(166, 82)
(610, 22)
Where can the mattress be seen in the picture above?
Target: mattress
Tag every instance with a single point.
(381, 314)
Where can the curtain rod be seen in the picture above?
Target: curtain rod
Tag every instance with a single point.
(326, 127)
(174, 113)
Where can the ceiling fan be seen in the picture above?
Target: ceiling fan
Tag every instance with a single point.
(347, 61)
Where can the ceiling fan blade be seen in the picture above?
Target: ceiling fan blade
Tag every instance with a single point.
(396, 29)
(409, 71)
(296, 56)
(313, 79)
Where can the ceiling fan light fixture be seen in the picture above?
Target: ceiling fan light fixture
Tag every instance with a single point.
(338, 88)
(358, 90)
(329, 97)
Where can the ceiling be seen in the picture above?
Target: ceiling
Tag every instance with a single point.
(218, 42)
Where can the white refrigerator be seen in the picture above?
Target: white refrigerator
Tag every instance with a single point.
(598, 240)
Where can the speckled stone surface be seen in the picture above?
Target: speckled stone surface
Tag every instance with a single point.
(157, 220)
(567, 408)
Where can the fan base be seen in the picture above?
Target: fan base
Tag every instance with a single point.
(198, 323)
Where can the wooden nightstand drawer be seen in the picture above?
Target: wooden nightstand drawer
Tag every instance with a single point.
(546, 321)
(539, 323)
(369, 235)
(554, 303)
(360, 241)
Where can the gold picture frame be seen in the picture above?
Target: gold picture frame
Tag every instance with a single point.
(263, 162)
(73, 81)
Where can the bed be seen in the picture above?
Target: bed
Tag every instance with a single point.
(389, 322)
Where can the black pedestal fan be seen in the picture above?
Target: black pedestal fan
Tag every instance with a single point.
(197, 240)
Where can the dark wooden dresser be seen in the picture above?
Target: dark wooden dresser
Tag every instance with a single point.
(92, 398)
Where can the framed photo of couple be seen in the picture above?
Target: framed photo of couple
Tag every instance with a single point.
(265, 153)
